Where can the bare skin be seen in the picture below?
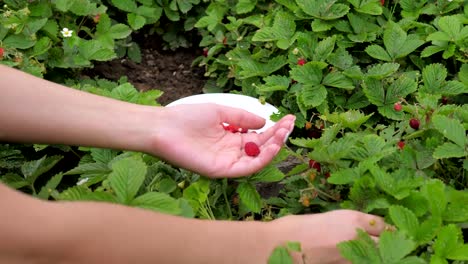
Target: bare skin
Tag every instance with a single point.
(35, 231)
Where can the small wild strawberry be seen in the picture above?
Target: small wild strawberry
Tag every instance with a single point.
(382, 2)
(2, 50)
(397, 106)
(308, 125)
(96, 18)
(315, 165)
(301, 61)
(312, 176)
(234, 128)
(414, 123)
(401, 144)
(235, 200)
(314, 133)
(305, 201)
(251, 149)
(205, 53)
(444, 100)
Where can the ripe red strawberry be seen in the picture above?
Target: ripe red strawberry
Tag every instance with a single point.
(301, 61)
(397, 106)
(234, 128)
(401, 144)
(2, 50)
(251, 149)
(414, 123)
(315, 165)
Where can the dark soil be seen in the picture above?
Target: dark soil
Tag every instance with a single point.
(170, 72)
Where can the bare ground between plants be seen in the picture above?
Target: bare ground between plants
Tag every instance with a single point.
(170, 72)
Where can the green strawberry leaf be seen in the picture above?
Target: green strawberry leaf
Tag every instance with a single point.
(404, 219)
(323, 9)
(159, 202)
(250, 197)
(126, 178)
(394, 246)
(451, 129)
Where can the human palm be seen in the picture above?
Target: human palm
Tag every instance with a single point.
(192, 137)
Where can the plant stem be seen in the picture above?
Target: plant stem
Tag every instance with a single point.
(225, 183)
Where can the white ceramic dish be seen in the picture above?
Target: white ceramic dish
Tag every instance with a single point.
(247, 103)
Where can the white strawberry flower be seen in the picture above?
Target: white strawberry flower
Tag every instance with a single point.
(66, 33)
(82, 181)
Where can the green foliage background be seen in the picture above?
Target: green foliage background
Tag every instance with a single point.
(360, 58)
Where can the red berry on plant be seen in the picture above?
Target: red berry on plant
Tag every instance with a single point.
(251, 149)
(444, 100)
(96, 18)
(397, 106)
(414, 123)
(382, 2)
(315, 165)
(301, 61)
(401, 144)
(205, 53)
(2, 50)
(314, 133)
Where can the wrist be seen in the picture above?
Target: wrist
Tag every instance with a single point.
(136, 129)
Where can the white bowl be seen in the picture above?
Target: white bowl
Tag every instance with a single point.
(247, 103)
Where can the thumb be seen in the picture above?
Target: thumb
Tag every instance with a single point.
(240, 117)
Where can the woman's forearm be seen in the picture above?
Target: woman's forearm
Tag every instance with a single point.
(39, 111)
(86, 232)
(117, 234)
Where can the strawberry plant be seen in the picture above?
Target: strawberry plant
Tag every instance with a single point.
(378, 88)
(36, 36)
(376, 74)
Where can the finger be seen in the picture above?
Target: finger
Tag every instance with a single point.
(277, 137)
(286, 122)
(373, 225)
(276, 131)
(240, 117)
